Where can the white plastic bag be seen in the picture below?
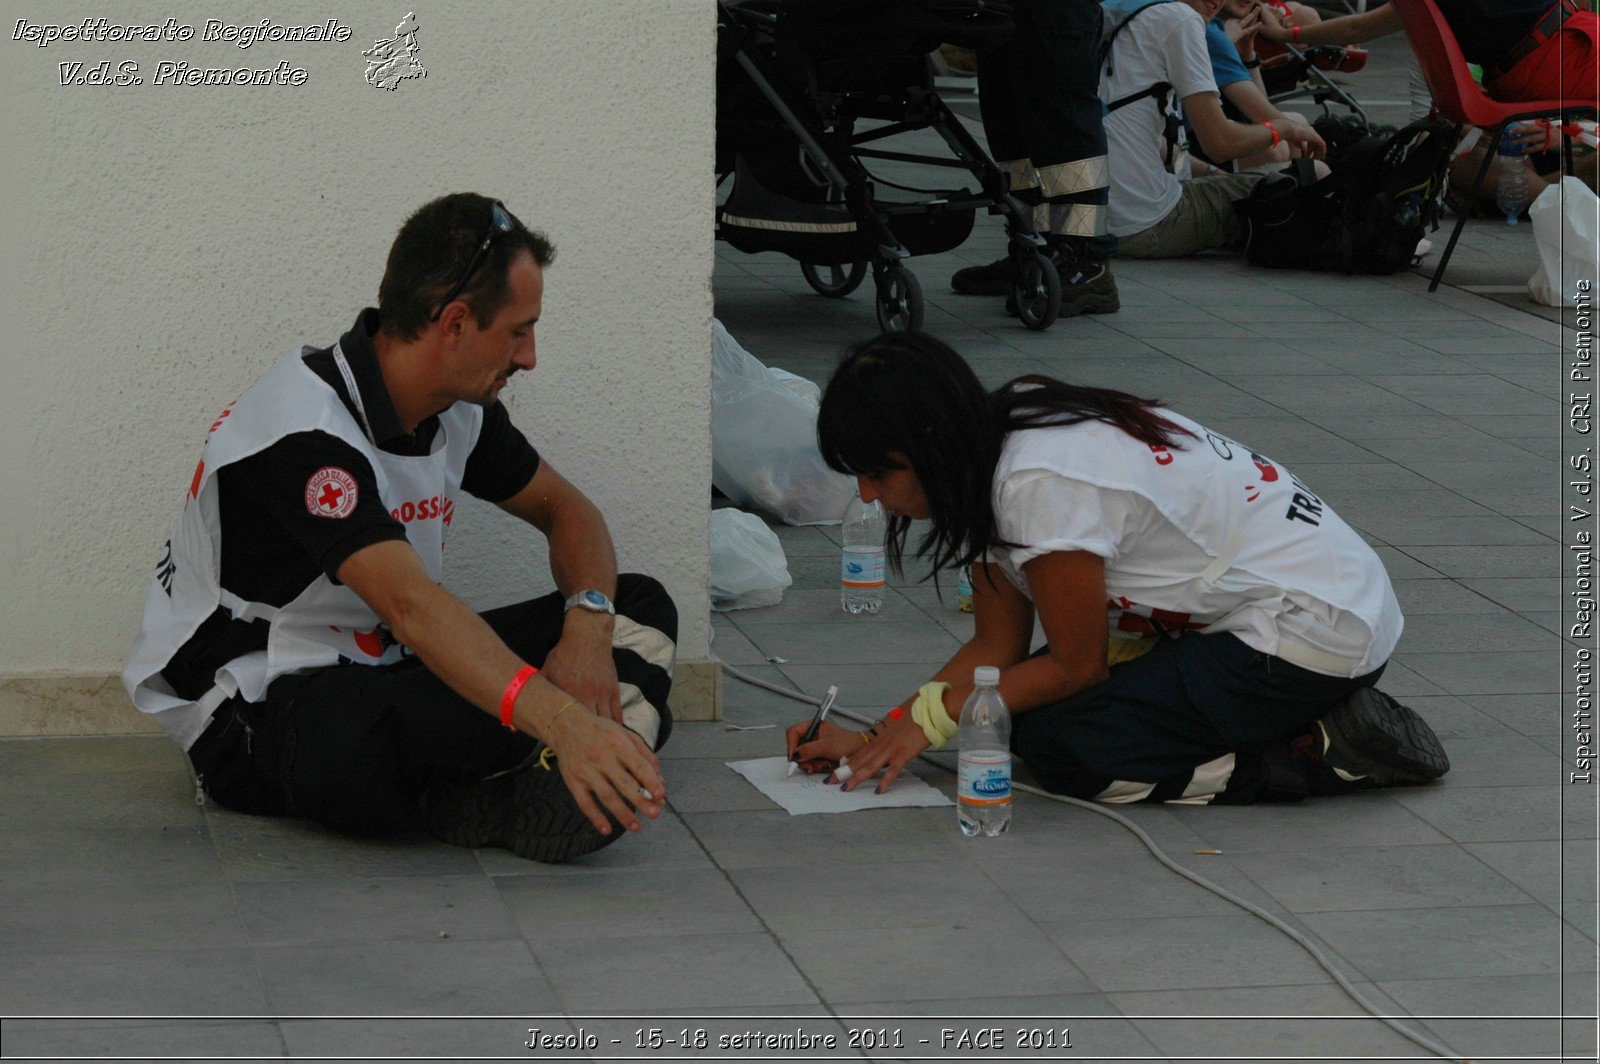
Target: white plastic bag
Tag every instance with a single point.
(764, 439)
(748, 568)
(1566, 224)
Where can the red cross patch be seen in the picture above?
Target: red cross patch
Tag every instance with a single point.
(331, 492)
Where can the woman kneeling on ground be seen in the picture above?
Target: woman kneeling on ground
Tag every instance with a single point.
(1214, 629)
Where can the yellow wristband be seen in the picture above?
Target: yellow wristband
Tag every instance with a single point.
(929, 713)
(570, 703)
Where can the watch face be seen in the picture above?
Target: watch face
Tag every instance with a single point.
(594, 598)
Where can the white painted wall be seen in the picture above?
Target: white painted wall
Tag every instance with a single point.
(164, 245)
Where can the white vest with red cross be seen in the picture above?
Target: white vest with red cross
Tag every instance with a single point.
(1271, 562)
(326, 622)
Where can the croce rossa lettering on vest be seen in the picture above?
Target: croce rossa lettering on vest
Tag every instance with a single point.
(441, 507)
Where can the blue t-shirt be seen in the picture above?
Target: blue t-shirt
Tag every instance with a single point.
(1226, 66)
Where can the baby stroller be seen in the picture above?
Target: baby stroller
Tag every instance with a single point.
(1291, 73)
(794, 77)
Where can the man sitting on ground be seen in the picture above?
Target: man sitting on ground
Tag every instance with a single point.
(296, 641)
(1156, 64)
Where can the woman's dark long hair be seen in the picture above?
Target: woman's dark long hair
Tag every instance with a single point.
(910, 394)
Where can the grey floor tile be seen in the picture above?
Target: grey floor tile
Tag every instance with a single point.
(718, 740)
(1410, 529)
(1488, 673)
(79, 1038)
(1524, 995)
(93, 914)
(814, 606)
(869, 687)
(1544, 714)
(1444, 597)
(414, 909)
(1190, 952)
(263, 848)
(577, 910)
(774, 839)
(1493, 814)
(1373, 818)
(1519, 592)
(748, 704)
(1560, 875)
(1016, 960)
(440, 978)
(704, 786)
(1479, 562)
(652, 973)
(872, 895)
(908, 639)
(96, 755)
(1503, 761)
(192, 983)
(1379, 877)
(147, 854)
(1452, 718)
(730, 644)
(1317, 1020)
(1463, 942)
(118, 801)
(1473, 633)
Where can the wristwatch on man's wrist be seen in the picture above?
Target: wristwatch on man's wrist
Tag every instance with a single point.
(592, 600)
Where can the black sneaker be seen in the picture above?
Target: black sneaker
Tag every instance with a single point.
(991, 280)
(1370, 735)
(1087, 285)
(529, 812)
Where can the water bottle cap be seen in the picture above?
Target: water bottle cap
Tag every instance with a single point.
(986, 676)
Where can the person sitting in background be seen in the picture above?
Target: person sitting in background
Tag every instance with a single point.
(1157, 68)
(1529, 49)
(1237, 70)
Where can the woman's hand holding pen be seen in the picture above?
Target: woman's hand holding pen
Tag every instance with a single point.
(888, 748)
(823, 753)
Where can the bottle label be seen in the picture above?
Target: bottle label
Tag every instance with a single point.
(862, 567)
(984, 777)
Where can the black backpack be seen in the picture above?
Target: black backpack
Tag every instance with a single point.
(1367, 216)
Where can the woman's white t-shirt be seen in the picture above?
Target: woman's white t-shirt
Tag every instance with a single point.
(1204, 535)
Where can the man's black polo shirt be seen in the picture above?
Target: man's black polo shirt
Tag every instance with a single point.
(273, 548)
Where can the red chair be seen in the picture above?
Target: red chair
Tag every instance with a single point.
(1457, 97)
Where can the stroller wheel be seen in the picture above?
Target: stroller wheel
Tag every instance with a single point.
(835, 282)
(899, 300)
(1036, 292)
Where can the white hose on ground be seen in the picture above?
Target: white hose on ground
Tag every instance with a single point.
(1155, 851)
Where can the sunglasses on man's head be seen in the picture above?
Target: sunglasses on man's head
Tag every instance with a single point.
(499, 224)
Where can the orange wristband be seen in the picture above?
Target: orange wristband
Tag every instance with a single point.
(508, 700)
(1274, 131)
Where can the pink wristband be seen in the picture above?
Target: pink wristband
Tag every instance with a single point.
(508, 700)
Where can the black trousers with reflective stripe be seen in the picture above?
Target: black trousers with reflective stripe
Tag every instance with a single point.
(1040, 100)
(354, 746)
(1188, 701)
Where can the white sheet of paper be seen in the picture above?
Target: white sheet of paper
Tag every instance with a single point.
(808, 794)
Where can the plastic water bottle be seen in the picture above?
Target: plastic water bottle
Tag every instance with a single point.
(861, 565)
(983, 788)
(1511, 179)
(964, 589)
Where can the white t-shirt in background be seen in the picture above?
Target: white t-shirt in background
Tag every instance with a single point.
(1166, 42)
